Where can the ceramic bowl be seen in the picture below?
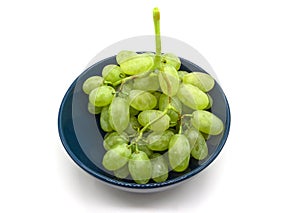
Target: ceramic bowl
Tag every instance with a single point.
(82, 136)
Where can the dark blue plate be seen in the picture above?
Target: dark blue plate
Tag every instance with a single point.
(82, 136)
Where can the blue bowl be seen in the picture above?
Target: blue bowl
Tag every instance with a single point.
(82, 136)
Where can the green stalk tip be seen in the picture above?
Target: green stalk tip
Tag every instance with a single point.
(156, 20)
(156, 14)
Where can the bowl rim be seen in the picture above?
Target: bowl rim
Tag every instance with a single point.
(123, 184)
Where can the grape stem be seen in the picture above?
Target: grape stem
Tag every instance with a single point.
(186, 115)
(136, 148)
(150, 123)
(156, 20)
(124, 80)
(154, 120)
(180, 128)
(181, 123)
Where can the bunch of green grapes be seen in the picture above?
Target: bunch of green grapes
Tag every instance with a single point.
(156, 116)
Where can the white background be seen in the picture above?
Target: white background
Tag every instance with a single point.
(253, 46)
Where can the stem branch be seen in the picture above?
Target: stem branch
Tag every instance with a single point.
(150, 123)
(124, 80)
(154, 120)
(186, 115)
(156, 20)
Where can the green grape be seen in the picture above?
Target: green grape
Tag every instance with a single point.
(159, 168)
(164, 102)
(148, 83)
(174, 118)
(127, 86)
(116, 157)
(210, 101)
(207, 122)
(133, 111)
(185, 123)
(101, 96)
(137, 64)
(140, 167)
(107, 134)
(171, 59)
(168, 80)
(200, 151)
(149, 54)
(173, 130)
(114, 139)
(142, 100)
(186, 110)
(157, 95)
(181, 74)
(150, 117)
(132, 126)
(112, 73)
(124, 89)
(201, 80)
(119, 114)
(192, 96)
(125, 55)
(143, 147)
(197, 142)
(123, 172)
(179, 152)
(192, 135)
(159, 141)
(92, 83)
(104, 120)
(206, 136)
(93, 109)
(175, 103)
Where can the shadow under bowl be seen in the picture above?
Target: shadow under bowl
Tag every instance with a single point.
(82, 136)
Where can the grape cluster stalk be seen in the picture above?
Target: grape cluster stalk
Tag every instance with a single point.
(156, 116)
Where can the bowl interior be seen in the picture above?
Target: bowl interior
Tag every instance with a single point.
(82, 136)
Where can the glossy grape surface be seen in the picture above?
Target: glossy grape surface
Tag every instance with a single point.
(119, 114)
(116, 157)
(101, 96)
(140, 167)
(92, 83)
(207, 122)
